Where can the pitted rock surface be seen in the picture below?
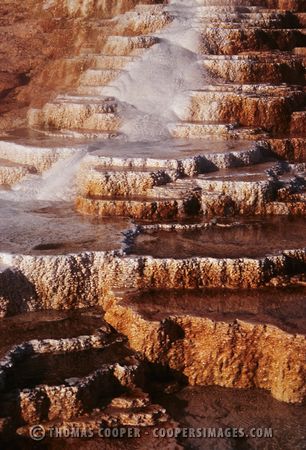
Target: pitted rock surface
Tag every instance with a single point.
(152, 220)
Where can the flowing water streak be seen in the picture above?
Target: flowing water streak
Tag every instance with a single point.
(56, 184)
(153, 91)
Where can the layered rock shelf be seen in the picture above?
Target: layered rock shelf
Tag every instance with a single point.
(152, 220)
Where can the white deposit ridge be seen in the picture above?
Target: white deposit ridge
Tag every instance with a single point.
(153, 90)
(152, 93)
(56, 184)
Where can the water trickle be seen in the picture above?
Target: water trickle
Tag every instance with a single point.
(56, 184)
(59, 182)
(153, 91)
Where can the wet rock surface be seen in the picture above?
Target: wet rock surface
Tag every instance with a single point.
(152, 222)
(211, 348)
(250, 238)
(49, 325)
(269, 305)
(54, 228)
(218, 407)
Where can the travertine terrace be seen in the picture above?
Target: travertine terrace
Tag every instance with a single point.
(152, 218)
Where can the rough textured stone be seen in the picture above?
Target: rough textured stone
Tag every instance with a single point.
(206, 310)
(222, 352)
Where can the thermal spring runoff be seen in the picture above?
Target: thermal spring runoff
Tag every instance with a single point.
(153, 91)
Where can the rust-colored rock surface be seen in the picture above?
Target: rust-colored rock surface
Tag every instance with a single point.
(152, 224)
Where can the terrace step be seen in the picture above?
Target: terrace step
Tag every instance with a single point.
(199, 130)
(37, 150)
(263, 18)
(298, 121)
(243, 6)
(86, 90)
(99, 77)
(300, 51)
(78, 136)
(258, 106)
(101, 181)
(128, 45)
(110, 62)
(85, 115)
(49, 325)
(231, 41)
(259, 189)
(182, 156)
(249, 237)
(46, 367)
(132, 23)
(170, 207)
(98, 175)
(212, 228)
(12, 172)
(256, 67)
(168, 327)
(290, 147)
(274, 170)
(143, 21)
